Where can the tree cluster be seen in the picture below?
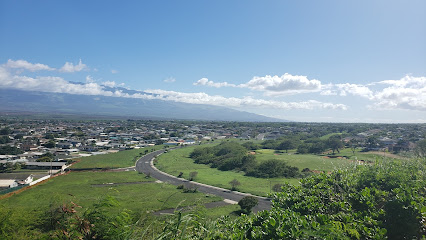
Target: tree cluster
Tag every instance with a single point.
(233, 156)
(225, 156)
(9, 150)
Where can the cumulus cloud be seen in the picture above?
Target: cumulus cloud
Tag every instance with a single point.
(285, 84)
(22, 64)
(60, 85)
(406, 93)
(272, 85)
(328, 93)
(207, 82)
(355, 89)
(89, 79)
(217, 100)
(169, 80)
(70, 67)
(109, 84)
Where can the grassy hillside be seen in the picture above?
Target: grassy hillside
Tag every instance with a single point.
(120, 159)
(178, 160)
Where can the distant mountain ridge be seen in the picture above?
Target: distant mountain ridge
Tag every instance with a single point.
(61, 103)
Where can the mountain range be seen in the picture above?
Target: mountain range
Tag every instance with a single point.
(60, 103)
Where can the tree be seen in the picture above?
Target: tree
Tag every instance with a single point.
(288, 144)
(277, 187)
(335, 144)
(251, 146)
(274, 168)
(192, 175)
(4, 139)
(5, 131)
(420, 149)
(234, 184)
(50, 144)
(247, 203)
(303, 148)
(353, 144)
(9, 150)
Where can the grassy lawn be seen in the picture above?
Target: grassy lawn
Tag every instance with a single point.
(77, 187)
(178, 160)
(113, 160)
(313, 162)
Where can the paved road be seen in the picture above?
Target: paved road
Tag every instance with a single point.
(146, 166)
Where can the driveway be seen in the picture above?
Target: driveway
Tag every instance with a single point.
(145, 165)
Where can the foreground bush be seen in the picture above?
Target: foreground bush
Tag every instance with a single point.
(383, 201)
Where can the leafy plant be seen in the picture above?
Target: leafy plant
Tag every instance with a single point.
(247, 203)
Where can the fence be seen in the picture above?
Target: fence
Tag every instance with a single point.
(12, 189)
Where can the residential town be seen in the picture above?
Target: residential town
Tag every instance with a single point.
(36, 149)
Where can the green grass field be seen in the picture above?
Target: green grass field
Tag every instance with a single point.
(78, 187)
(30, 207)
(121, 159)
(178, 160)
(313, 162)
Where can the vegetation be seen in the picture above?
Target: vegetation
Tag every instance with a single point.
(234, 184)
(233, 156)
(274, 168)
(384, 200)
(420, 150)
(247, 203)
(177, 161)
(9, 150)
(225, 156)
(69, 203)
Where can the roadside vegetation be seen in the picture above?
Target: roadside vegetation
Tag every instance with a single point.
(383, 200)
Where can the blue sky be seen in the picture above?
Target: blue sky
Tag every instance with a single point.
(333, 61)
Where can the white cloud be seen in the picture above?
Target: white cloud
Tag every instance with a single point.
(272, 85)
(22, 64)
(169, 80)
(109, 84)
(70, 67)
(406, 93)
(59, 85)
(248, 102)
(328, 93)
(287, 83)
(89, 79)
(207, 82)
(355, 89)
(113, 71)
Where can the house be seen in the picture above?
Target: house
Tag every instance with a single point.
(7, 183)
(10, 180)
(46, 165)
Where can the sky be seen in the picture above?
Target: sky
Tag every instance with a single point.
(309, 61)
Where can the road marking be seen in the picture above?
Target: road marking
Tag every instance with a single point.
(230, 201)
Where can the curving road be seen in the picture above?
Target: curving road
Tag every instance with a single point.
(145, 165)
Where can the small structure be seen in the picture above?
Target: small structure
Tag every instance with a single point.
(11, 180)
(46, 165)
